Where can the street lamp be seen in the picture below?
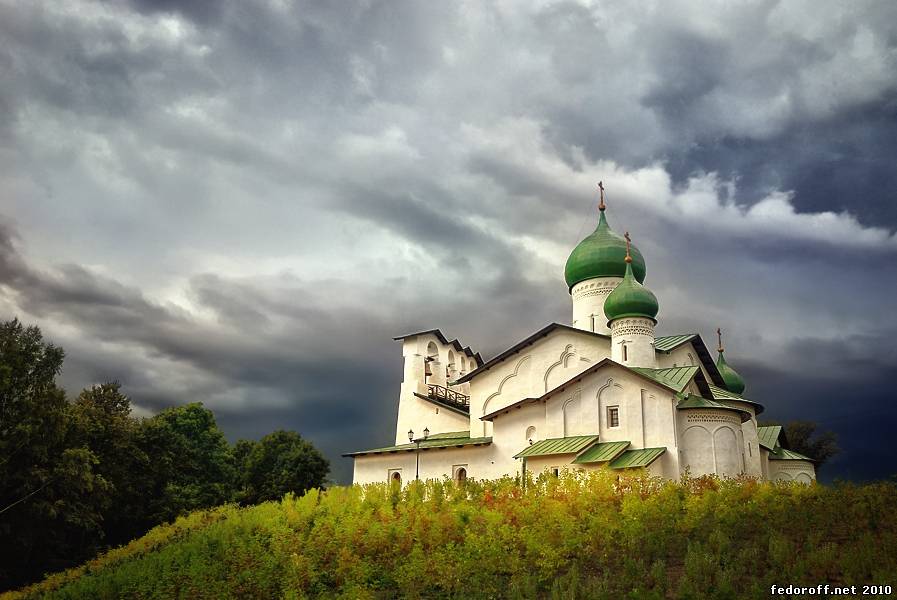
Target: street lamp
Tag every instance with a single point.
(417, 450)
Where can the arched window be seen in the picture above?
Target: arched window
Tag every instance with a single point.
(473, 364)
(531, 434)
(450, 367)
(461, 475)
(432, 355)
(625, 353)
(396, 478)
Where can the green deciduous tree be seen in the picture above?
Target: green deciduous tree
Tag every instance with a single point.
(191, 464)
(51, 498)
(280, 462)
(802, 437)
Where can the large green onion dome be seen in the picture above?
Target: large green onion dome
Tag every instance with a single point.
(734, 382)
(630, 298)
(601, 254)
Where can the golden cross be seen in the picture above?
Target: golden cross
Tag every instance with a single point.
(719, 335)
(628, 242)
(601, 205)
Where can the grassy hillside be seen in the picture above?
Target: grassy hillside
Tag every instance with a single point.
(574, 537)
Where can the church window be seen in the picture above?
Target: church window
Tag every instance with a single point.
(625, 353)
(613, 416)
(396, 477)
(461, 475)
(531, 434)
(555, 471)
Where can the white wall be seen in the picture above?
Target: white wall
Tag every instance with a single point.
(531, 372)
(632, 342)
(588, 303)
(415, 413)
(792, 470)
(435, 463)
(712, 442)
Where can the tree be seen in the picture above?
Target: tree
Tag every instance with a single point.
(820, 447)
(100, 419)
(50, 496)
(191, 464)
(280, 462)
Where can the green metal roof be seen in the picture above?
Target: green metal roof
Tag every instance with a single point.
(676, 378)
(603, 452)
(734, 382)
(551, 446)
(668, 342)
(636, 458)
(783, 454)
(769, 436)
(723, 395)
(630, 299)
(601, 254)
(436, 440)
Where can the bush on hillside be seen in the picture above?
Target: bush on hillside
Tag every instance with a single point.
(578, 536)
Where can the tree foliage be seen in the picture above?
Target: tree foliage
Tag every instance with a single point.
(803, 438)
(279, 463)
(79, 476)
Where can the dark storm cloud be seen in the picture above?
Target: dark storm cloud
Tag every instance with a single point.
(242, 202)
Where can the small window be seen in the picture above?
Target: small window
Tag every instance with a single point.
(625, 353)
(555, 471)
(461, 475)
(613, 415)
(396, 477)
(530, 435)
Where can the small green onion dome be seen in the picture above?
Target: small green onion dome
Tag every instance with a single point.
(601, 255)
(630, 298)
(734, 382)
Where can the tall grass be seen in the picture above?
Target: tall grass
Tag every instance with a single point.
(578, 536)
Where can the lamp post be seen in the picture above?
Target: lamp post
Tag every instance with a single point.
(417, 450)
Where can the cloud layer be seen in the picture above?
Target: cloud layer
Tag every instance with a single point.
(241, 203)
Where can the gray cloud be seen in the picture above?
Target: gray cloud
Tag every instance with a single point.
(241, 202)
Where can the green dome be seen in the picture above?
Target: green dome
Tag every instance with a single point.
(630, 298)
(601, 254)
(734, 382)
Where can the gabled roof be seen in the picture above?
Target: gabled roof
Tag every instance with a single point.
(666, 343)
(454, 343)
(603, 452)
(523, 344)
(769, 436)
(637, 458)
(452, 439)
(675, 378)
(723, 394)
(651, 377)
(782, 454)
(552, 446)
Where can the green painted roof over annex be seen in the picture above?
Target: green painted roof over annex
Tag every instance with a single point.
(601, 254)
(784, 454)
(603, 452)
(632, 459)
(769, 436)
(725, 395)
(456, 439)
(665, 343)
(552, 446)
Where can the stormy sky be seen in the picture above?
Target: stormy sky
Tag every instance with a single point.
(242, 202)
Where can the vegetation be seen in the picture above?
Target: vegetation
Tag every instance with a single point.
(81, 476)
(578, 536)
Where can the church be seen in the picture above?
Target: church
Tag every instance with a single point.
(602, 392)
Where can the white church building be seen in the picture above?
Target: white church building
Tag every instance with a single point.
(605, 391)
